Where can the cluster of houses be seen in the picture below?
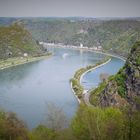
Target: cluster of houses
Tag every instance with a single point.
(81, 46)
(98, 48)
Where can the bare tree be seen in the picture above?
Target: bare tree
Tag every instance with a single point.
(104, 77)
(56, 118)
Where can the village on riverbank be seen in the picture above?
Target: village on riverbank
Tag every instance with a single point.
(96, 49)
(81, 46)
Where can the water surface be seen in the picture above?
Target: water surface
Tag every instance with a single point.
(92, 79)
(25, 89)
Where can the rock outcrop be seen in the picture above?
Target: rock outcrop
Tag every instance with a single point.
(124, 87)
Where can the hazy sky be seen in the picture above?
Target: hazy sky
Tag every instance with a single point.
(65, 8)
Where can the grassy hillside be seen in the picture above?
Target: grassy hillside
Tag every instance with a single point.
(15, 41)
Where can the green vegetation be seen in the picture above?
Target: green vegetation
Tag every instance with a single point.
(14, 61)
(79, 72)
(11, 128)
(123, 87)
(15, 41)
(115, 36)
(89, 123)
(95, 93)
(18, 47)
(98, 124)
(136, 52)
(106, 124)
(78, 89)
(120, 80)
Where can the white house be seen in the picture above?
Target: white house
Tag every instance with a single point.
(81, 45)
(25, 54)
(99, 48)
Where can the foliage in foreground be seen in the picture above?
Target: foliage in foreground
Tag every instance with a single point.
(11, 128)
(88, 124)
(106, 124)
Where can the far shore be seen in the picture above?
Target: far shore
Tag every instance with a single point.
(82, 48)
(15, 61)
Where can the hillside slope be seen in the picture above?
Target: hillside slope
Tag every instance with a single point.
(124, 87)
(15, 41)
(116, 35)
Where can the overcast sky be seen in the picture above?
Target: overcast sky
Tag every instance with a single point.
(66, 8)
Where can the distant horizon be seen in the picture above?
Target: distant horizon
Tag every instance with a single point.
(67, 17)
(70, 8)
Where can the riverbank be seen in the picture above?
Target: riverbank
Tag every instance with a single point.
(94, 69)
(11, 62)
(84, 49)
(75, 82)
(78, 88)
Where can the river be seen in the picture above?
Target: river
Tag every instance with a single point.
(92, 79)
(27, 88)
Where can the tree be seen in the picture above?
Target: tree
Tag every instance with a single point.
(104, 77)
(11, 128)
(131, 123)
(56, 118)
(98, 124)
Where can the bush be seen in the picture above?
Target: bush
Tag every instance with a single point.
(94, 94)
(120, 79)
(76, 86)
(11, 128)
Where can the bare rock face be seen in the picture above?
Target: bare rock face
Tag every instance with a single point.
(124, 87)
(110, 96)
(132, 71)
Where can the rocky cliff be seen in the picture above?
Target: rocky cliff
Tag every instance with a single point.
(124, 87)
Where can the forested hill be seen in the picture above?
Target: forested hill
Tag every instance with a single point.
(15, 40)
(116, 35)
(124, 87)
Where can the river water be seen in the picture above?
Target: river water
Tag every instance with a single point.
(26, 89)
(92, 79)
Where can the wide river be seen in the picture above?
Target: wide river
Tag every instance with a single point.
(27, 89)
